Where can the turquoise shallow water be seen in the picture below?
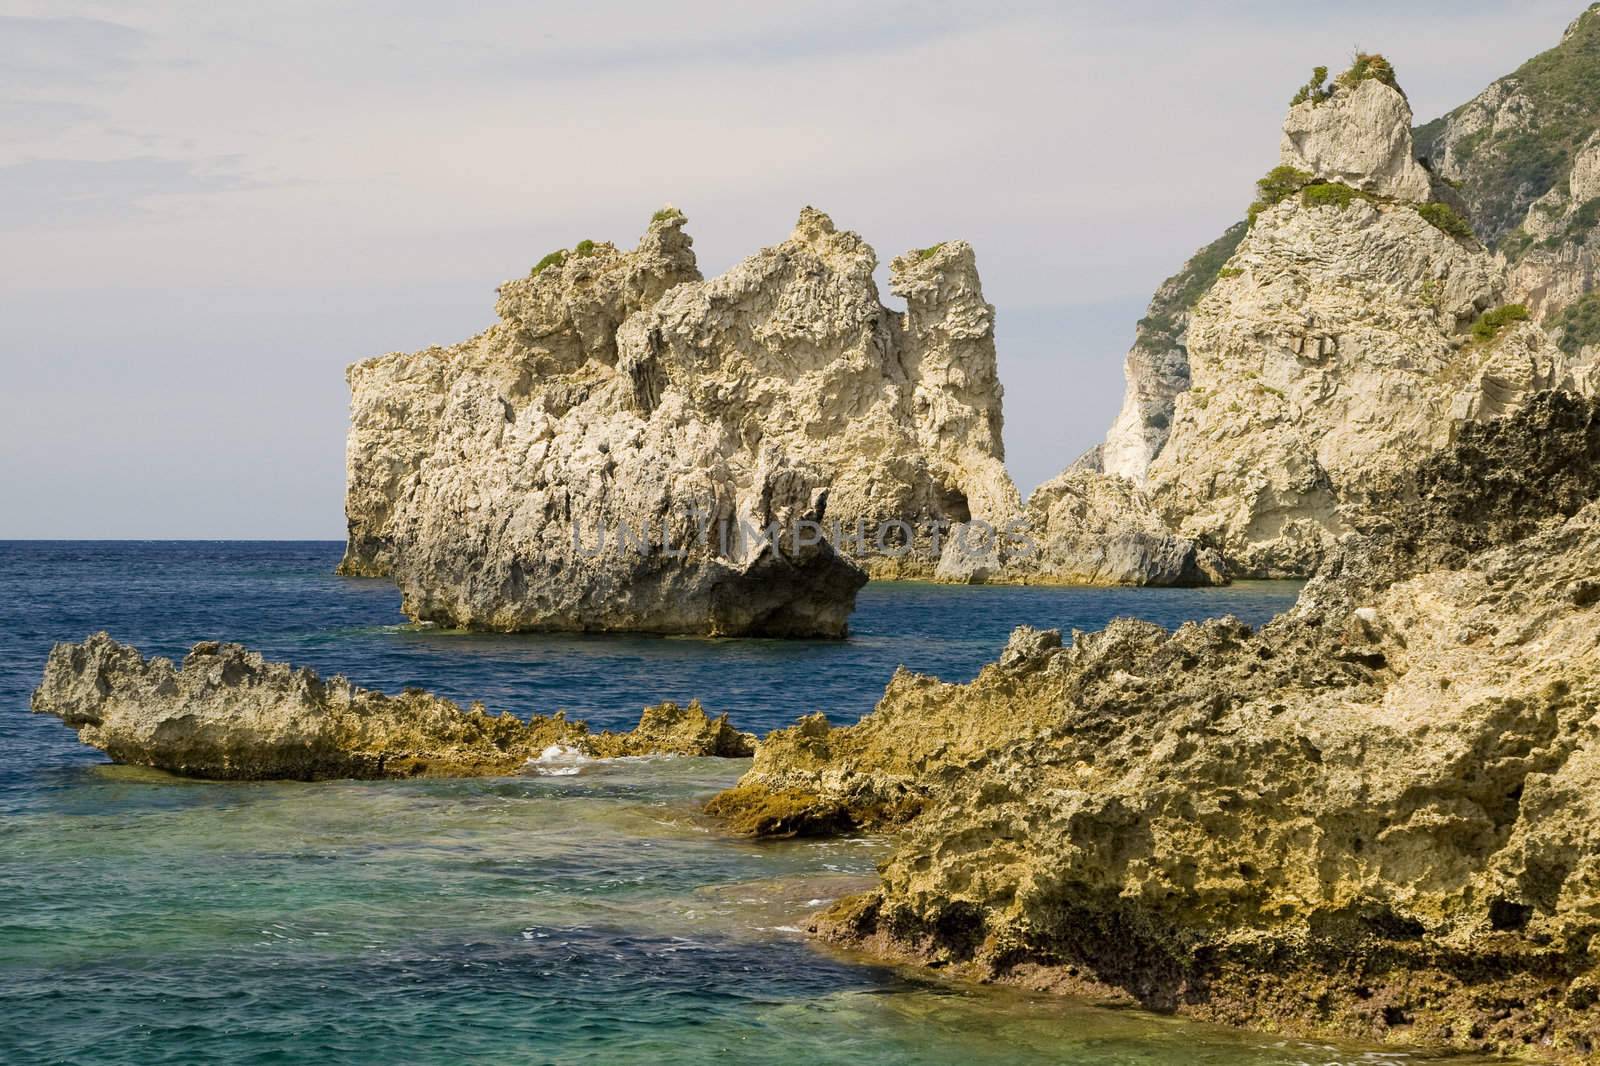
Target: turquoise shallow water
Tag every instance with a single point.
(593, 917)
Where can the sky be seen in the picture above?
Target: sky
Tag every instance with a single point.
(208, 210)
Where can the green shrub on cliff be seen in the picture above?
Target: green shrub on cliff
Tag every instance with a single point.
(555, 258)
(1579, 324)
(1158, 330)
(1370, 67)
(1276, 186)
(561, 255)
(1514, 164)
(1331, 194)
(1490, 324)
(1315, 90)
(1578, 226)
(1444, 217)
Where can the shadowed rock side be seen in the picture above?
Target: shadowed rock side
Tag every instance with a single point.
(621, 391)
(1377, 816)
(226, 713)
(1157, 366)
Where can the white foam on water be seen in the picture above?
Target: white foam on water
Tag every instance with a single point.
(560, 760)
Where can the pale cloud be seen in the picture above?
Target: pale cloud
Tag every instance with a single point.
(51, 194)
(47, 52)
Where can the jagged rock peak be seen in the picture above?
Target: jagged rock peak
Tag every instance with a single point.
(1355, 130)
(620, 389)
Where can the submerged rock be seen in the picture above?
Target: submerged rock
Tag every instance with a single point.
(227, 713)
(604, 457)
(1374, 817)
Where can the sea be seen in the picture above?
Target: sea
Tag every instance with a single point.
(582, 913)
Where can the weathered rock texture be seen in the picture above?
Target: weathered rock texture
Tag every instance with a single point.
(1359, 136)
(1082, 527)
(1337, 345)
(1374, 817)
(1525, 154)
(1324, 345)
(619, 389)
(226, 713)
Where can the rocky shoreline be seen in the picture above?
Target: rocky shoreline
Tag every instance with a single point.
(1373, 817)
(1376, 816)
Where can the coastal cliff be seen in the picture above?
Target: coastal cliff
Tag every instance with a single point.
(226, 713)
(1373, 817)
(1352, 320)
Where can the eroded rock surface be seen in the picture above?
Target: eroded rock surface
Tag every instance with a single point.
(1376, 816)
(1359, 136)
(619, 390)
(1337, 345)
(1081, 527)
(1343, 332)
(227, 713)
(1157, 366)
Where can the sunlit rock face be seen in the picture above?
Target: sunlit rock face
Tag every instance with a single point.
(622, 395)
(1373, 817)
(1326, 344)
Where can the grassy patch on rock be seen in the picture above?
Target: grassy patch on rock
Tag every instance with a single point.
(1579, 324)
(1491, 324)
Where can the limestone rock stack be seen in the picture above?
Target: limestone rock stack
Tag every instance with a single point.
(621, 394)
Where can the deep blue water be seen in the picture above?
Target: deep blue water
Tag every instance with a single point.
(283, 599)
(527, 919)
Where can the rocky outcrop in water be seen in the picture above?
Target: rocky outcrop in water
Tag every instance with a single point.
(1373, 817)
(1082, 527)
(226, 713)
(622, 395)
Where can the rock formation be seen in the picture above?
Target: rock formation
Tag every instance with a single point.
(1375, 817)
(621, 393)
(226, 713)
(1081, 527)
(1338, 342)
(1525, 155)
(1356, 321)
(1359, 134)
